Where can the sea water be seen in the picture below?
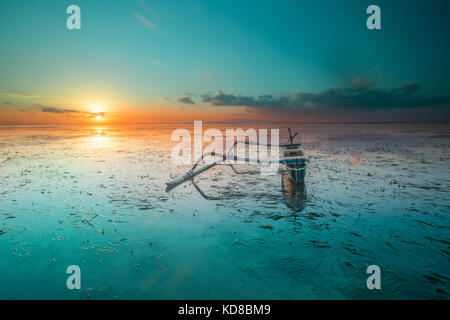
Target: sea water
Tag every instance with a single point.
(94, 196)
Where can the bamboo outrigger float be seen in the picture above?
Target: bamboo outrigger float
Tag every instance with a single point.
(192, 173)
(292, 156)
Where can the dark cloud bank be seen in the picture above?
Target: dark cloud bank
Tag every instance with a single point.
(362, 96)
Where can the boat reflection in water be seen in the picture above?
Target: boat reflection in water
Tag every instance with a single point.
(294, 194)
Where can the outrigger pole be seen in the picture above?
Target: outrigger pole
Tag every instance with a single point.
(196, 171)
(192, 173)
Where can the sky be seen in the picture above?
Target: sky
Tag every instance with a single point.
(136, 61)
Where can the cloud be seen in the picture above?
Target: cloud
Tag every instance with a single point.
(144, 20)
(22, 95)
(363, 83)
(70, 112)
(94, 115)
(56, 110)
(7, 105)
(361, 95)
(185, 100)
(148, 8)
(209, 75)
(239, 75)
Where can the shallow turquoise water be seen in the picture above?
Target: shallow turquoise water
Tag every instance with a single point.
(94, 197)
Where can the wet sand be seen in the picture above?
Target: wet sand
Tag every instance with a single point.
(94, 197)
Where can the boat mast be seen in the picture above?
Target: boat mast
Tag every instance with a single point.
(291, 137)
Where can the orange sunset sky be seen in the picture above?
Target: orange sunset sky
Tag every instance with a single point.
(169, 61)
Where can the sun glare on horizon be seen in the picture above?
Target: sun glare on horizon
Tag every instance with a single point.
(98, 111)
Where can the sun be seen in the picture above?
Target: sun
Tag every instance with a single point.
(97, 108)
(98, 111)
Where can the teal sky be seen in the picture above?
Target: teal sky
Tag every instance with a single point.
(214, 52)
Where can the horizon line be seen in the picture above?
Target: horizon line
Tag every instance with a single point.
(222, 122)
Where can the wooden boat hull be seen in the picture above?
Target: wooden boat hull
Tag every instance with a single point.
(296, 172)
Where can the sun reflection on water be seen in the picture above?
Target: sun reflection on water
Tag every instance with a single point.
(99, 138)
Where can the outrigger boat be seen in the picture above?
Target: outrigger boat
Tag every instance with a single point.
(294, 159)
(292, 156)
